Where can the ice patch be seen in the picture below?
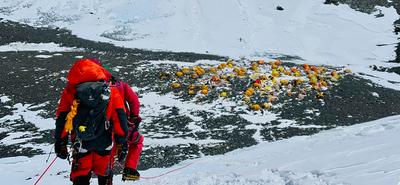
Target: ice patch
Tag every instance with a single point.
(255, 117)
(185, 64)
(153, 105)
(43, 56)
(16, 138)
(24, 111)
(375, 94)
(4, 99)
(49, 47)
(179, 141)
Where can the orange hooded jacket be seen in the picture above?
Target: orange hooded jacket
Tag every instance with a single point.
(86, 70)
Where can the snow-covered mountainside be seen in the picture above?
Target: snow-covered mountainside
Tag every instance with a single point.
(318, 33)
(208, 138)
(366, 154)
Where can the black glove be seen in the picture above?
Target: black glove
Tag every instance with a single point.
(122, 151)
(60, 148)
(135, 121)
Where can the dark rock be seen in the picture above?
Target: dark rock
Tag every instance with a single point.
(394, 70)
(365, 6)
(380, 14)
(280, 8)
(335, 2)
(397, 28)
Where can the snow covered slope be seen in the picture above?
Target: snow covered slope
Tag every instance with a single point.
(318, 33)
(365, 154)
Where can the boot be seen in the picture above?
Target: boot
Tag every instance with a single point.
(130, 174)
(82, 180)
(105, 180)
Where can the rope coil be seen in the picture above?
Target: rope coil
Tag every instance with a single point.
(72, 113)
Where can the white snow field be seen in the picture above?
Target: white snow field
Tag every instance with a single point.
(318, 33)
(364, 154)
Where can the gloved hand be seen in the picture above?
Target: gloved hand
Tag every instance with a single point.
(121, 152)
(60, 148)
(133, 135)
(134, 121)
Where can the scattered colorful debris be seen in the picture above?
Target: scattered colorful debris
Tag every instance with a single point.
(263, 83)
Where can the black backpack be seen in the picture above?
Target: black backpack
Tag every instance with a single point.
(90, 123)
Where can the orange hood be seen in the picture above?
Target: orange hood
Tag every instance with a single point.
(87, 70)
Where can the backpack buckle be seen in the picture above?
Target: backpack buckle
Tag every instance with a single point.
(107, 124)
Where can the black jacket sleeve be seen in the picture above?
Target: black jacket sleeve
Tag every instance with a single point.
(60, 122)
(123, 120)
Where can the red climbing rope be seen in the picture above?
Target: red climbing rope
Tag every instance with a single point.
(146, 178)
(174, 170)
(48, 167)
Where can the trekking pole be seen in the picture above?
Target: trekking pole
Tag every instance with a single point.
(48, 167)
(48, 157)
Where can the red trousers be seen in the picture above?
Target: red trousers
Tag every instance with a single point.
(97, 162)
(134, 151)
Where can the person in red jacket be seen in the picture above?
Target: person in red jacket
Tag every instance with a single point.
(93, 126)
(135, 140)
(132, 106)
